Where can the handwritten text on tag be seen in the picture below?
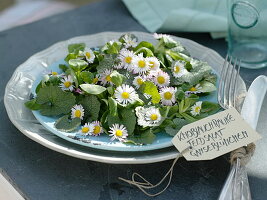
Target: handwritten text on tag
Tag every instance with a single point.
(215, 135)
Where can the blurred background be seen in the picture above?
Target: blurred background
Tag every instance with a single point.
(18, 12)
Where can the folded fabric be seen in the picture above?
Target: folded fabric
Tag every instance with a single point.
(180, 15)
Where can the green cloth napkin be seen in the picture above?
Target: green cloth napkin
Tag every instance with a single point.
(181, 15)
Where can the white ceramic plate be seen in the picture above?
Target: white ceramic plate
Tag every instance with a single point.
(19, 87)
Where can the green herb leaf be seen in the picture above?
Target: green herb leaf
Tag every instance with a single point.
(128, 119)
(54, 101)
(92, 89)
(148, 45)
(178, 123)
(32, 105)
(145, 137)
(63, 67)
(207, 86)
(106, 63)
(179, 94)
(87, 76)
(151, 89)
(146, 51)
(112, 106)
(75, 48)
(78, 64)
(66, 125)
(91, 106)
(117, 78)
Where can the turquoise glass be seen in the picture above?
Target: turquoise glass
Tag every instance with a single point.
(247, 32)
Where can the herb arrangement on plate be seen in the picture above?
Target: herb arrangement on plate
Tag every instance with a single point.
(127, 90)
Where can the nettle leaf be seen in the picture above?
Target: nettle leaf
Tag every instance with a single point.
(144, 137)
(66, 125)
(92, 89)
(78, 64)
(207, 86)
(112, 106)
(87, 76)
(75, 48)
(117, 78)
(91, 106)
(54, 101)
(128, 120)
(151, 89)
(32, 105)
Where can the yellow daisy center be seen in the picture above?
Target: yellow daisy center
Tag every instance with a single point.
(152, 64)
(139, 81)
(128, 59)
(54, 73)
(97, 130)
(95, 80)
(161, 80)
(141, 64)
(193, 89)
(177, 69)
(67, 84)
(118, 133)
(108, 78)
(168, 95)
(85, 130)
(125, 95)
(154, 117)
(197, 109)
(77, 113)
(88, 55)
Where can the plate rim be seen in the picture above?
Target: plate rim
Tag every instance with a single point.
(170, 154)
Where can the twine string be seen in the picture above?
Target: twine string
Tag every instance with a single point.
(243, 153)
(146, 185)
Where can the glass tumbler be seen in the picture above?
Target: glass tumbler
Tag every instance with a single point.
(247, 32)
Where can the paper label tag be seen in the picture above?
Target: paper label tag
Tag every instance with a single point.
(214, 136)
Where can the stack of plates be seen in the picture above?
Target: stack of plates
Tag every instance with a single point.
(19, 88)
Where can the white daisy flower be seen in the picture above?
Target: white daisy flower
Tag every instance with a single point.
(178, 69)
(89, 55)
(138, 81)
(148, 117)
(55, 74)
(66, 83)
(195, 109)
(153, 63)
(166, 37)
(129, 42)
(167, 95)
(87, 129)
(126, 58)
(97, 129)
(118, 132)
(125, 95)
(162, 79)
(77, 111)
(194, 90)
(140, 64)
(118, 66)
(105, 77)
